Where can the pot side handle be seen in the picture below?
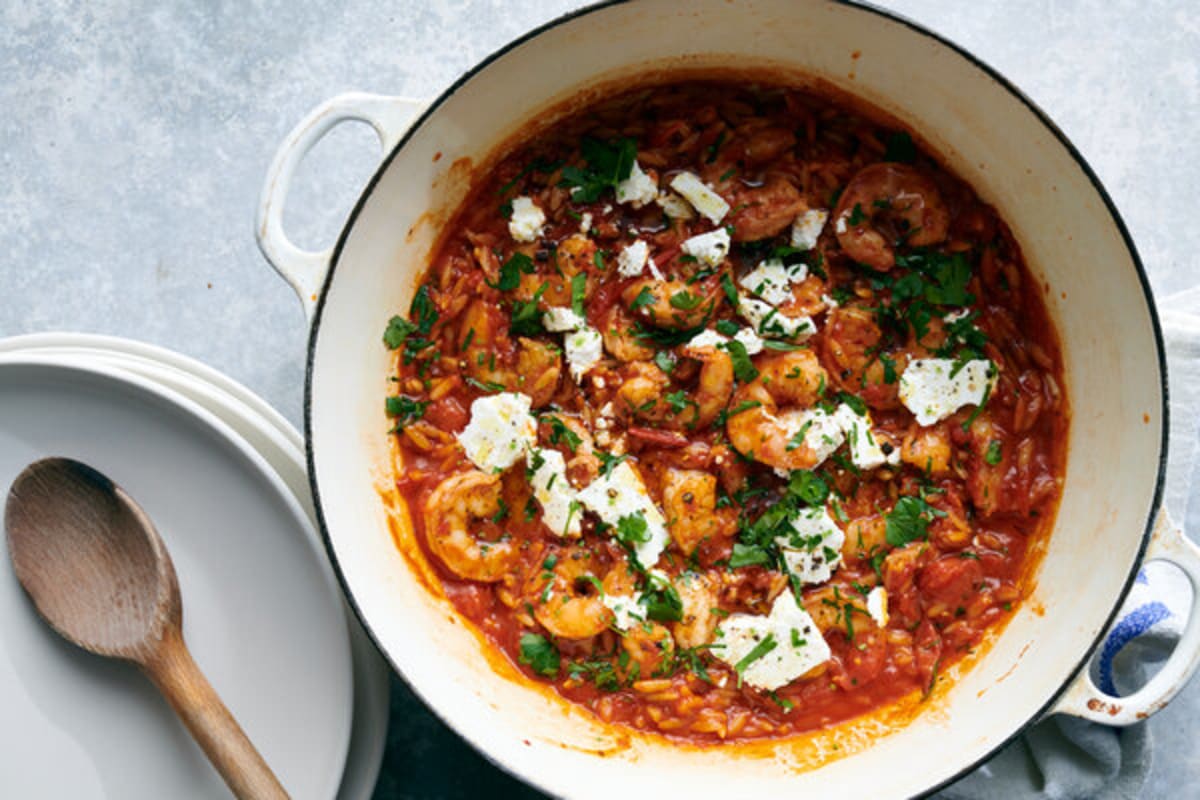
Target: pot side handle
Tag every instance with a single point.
(305, 270)
(1085, 700)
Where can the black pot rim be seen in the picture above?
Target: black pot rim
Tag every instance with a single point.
(859, 5)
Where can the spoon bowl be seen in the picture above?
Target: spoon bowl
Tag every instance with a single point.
(97, 571)
(91, 561)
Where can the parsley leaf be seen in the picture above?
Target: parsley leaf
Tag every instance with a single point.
(644, 298)
(900, 147)
(526, 320)
(578, 292)
(632, 530)
(743, 367)
(608, 462)
(608, 163)
(761, 649)
(510, 271)
(809, 487)
(540, 654)
(993, 454)
(909, 520)
(748, 555)
(662, 601)
(406, 410)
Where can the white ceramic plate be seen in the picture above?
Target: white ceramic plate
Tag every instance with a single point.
(260, 611)
(282, 447)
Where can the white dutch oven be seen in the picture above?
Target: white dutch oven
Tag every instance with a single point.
(990, 134)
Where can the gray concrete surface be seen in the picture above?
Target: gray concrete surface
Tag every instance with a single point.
(134, 136)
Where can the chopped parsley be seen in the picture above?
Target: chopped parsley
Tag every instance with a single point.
(632, 530)
(608, 163)
(993, 454)
(909, 520)
(743, 367)
(540, 654)
(405, 410)
(578, 293)
(526, 320)
(761, 649)
(510, 271)
(644, 298)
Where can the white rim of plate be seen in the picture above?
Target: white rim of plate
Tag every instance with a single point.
(278, 444)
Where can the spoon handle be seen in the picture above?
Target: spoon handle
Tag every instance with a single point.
(176, 675)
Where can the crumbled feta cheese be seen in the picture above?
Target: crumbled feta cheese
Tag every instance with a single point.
(560, 506)
(525, 224)
(632, 259)
(772, 281)
(840, 226)
(807, 228)
(584, 348)
(638, 189)
(877, 606)
(703, 199)
(710, 338)
(785, 644)
(932, 393)
(865, 451)
(585, 222)
(674, 206)
(559, 319)
(707, 338)
(771, 322)
(709, 248)
(620, 494)
(955, 316)
(829, 301)
(627, 611)
(500, 431)
(750, 340)
(814, 548)
(820, 432)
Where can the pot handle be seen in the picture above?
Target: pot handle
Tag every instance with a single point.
(1085, 700)
(305, 270)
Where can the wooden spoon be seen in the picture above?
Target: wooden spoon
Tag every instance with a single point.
(98, 572)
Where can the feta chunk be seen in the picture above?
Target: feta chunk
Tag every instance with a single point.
(771, 322)
(750, 340)
(772, 281)
(865, 451)
(638, 189)
(807, 228)
(584, 349)
(501, 430)
(813, 550)
(877, 606)
(839, 227)
(621, 494)
(813, 428)
(674, 206)
(775, 649)
(632, 259)
(932, 393)
(707, 338)
(710, 204)
(709, 248)
(559, 319)
(585, 222)
(710, 338)
(627, 611)
(560, 506)
(525, 224)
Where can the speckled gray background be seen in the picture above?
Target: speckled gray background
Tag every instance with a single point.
(134, 137)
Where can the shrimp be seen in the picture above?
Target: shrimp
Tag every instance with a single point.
(551, 285)
(671, 304)
(852, 346)
(764, 211)
(641, 393)
(903, 199)
(714, 386)
(699, 620)
(690, 503)
(571, 437)
(927, 449)
(759, 430)
(459, 509)
(620, 339)
(647, 644)
(537, 367)
(569, 603)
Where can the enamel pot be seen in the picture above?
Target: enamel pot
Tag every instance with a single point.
(1075, 243)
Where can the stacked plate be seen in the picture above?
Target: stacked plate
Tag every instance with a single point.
(223, 477)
